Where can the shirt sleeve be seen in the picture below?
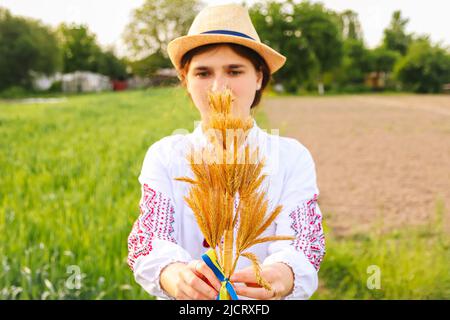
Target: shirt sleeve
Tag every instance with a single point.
(152, 243)
(300, 217)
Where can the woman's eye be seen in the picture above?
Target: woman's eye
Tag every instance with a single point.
(205, 73)
(201, 74)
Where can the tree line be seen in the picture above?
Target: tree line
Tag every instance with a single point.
(28, 48)
(325, 49)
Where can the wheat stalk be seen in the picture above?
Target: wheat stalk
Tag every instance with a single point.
(231, 168)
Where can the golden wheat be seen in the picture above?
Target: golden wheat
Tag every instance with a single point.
(228, 168)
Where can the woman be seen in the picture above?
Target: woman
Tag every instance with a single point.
(222, 49)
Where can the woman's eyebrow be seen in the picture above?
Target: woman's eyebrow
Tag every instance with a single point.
(235, 66)
(229, 66)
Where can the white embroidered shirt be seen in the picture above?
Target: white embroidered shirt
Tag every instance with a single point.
(166, 230)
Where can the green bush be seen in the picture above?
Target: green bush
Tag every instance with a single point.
(13, 92)
(55, 87)
(413, 264)
(424, 69)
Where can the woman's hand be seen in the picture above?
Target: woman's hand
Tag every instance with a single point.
(279, 275)
(192, 281)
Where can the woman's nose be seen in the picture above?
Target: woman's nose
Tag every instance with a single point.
(219, 84)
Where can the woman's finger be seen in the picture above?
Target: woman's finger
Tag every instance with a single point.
(248, 275)
(191, 292)
(202, 269)
(256, 293)
(244, 275)
(195, 287)
(182, 295)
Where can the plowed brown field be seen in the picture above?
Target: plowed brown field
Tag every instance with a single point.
(382, 161)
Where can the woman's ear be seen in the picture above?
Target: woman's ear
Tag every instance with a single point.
(259, 79)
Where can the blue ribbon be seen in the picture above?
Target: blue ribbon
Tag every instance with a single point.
(229, 32)
(221, 276)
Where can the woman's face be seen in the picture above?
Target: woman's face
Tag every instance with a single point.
(219, 68)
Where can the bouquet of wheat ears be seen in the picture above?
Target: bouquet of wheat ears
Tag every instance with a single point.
(228, 170)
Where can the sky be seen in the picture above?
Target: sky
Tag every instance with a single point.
(108, 18)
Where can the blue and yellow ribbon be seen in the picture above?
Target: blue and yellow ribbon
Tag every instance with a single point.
(226, 290)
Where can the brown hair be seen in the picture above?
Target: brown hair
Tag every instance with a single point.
(258, 62)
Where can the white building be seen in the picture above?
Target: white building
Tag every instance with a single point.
(43, 82)
(85, 81)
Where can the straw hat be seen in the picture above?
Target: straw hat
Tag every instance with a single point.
(223, 23)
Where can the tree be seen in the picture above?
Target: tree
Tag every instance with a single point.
(111, 66)
(320, 28)
(149, 65)
(350, 25)
(355, 65)
(80, 48)
(381, 63)
(81, 52)
(425, 67)
(383, 60)
(307, 34)
(274, 23)
(156, 23)
(26, 47)
(395, 36)
(356, 58)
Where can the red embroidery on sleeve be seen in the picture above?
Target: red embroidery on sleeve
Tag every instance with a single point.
(307, 226)
(155, 221)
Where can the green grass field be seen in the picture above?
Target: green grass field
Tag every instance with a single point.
(69, 195)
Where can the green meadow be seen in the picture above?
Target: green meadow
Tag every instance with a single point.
(69, 195)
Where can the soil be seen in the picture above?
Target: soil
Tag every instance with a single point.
(382, 162)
